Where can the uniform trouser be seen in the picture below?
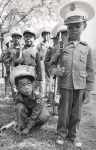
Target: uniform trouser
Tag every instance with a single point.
(24, 116)
(7, 83)
(69, 112)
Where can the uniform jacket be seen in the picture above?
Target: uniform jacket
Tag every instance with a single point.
(30, 56)
(29, 102)
(50, 52)
(76, 58)
(33, 106)
(11, 55)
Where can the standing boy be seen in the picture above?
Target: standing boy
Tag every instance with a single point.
(77, 77)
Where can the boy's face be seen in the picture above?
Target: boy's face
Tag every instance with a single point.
(45, 36)
(75, 29)
(27, 90)
(25, 87)
(29, 39)
(63, 35)
(16, 39)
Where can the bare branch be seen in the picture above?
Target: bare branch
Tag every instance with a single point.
(11, 13)
(5, 6)
(6, 17)
(27, 14)
(12, 18)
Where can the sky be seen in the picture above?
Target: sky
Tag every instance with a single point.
(89, 34)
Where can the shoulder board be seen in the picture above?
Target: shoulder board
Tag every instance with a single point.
(83, 43)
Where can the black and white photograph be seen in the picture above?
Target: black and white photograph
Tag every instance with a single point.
(47, 75)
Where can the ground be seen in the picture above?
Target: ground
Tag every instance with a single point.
(44, 138)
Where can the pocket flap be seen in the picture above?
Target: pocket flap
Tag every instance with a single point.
(83, 74)
(83, 52)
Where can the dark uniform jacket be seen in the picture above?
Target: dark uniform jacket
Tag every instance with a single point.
(76, 58)
(10, 56)
(33, 105)
(50, 52)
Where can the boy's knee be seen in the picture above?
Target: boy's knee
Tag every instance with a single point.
(44, 116)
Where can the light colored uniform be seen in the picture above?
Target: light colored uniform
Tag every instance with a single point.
(78, 75)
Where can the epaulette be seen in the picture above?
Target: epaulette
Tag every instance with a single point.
(83, 43)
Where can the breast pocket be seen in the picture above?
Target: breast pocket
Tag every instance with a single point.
(83, 57)
(83, 74)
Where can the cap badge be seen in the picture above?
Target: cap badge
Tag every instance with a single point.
(72, 7)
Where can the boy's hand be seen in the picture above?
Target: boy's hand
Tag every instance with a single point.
(25, 131)
(58, 71)
(86, 97)
(15, 90)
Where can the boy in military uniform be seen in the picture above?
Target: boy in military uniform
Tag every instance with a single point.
(15, 46)
(45, 44)
(58, 34)
(30, 55)
(59, 39)
(12, 52)
(29, 107)
(78, 76)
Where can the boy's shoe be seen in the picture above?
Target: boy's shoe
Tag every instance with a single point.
(78, 143)
(70, 145)
(60, 140)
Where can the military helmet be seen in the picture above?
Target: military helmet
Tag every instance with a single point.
(22, 71)
(59, 28)
(45, 30)
(76, 12)
(62, 28)
(16, 31)
(30, 30)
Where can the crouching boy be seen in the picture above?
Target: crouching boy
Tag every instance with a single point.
(30, 109)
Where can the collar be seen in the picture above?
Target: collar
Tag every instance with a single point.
(75, 43)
